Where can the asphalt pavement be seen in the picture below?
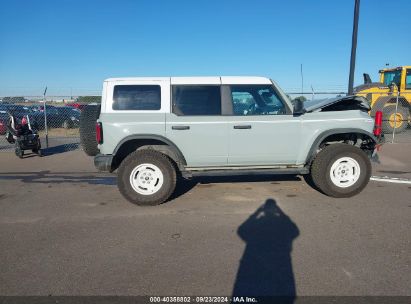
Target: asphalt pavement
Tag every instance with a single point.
(66, 230)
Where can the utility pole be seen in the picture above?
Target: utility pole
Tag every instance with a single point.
(45, 117)
(353, 47)
(302, 79)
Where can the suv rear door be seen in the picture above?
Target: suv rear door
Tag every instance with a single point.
(262, 129)
(195, 123)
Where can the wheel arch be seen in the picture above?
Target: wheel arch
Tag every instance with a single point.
(345, 134)
(155, 142)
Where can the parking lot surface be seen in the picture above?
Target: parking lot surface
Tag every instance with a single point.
(66, 230)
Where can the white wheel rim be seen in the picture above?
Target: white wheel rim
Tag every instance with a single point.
(146, 179)
(345, 172)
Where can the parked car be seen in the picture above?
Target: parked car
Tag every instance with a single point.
(4, 118)
(77, 105)
(152, 130)
(57, 117)
(71, 116)
(20, 111)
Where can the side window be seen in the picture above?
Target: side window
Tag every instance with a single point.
(270, 98)
(242, 101)
(256, 100)
(137, 97)
(196, 100)
(408, 80)
(392, 77)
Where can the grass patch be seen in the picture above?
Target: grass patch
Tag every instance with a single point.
(61, 132)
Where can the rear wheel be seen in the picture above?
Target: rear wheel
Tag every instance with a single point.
(341, 170)
(146, 178)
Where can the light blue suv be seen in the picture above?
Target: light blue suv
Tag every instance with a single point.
(152, 130)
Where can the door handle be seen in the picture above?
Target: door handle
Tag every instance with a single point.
(180, 127)
(242, 127)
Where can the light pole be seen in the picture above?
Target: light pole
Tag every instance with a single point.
(45, 117)
(353, 47)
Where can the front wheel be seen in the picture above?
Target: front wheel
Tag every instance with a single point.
(146, 178)
(341, 170)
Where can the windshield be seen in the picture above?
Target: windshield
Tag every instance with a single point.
(392, 76)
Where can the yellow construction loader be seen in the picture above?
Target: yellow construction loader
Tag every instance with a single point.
(395, 84)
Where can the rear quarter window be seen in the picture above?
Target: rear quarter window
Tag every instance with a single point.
(137, 97)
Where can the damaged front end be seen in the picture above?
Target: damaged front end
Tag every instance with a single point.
(345, 103)
(356, 129)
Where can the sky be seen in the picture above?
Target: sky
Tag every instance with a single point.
(73, 45)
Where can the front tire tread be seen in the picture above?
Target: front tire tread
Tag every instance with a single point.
(146, 156)
(325, 158)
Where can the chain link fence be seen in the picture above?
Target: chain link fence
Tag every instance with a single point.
(396, 119)
(56, 118)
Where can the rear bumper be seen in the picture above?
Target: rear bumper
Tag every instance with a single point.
(103, 162)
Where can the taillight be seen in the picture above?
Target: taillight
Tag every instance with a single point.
(99, 133)
(378, 123)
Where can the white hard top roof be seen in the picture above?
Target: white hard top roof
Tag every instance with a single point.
(197, 80)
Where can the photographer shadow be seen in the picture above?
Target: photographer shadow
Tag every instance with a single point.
(265, 267)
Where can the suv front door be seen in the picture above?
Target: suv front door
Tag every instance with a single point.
(262, 129)
(196, 125)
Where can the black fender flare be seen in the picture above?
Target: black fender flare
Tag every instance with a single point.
(316, 143)
(175, 154)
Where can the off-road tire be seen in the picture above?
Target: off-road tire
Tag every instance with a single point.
(146, 157)
(88, 118)
(388, 111)
(321, 167)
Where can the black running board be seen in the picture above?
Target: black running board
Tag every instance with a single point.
(238, 172)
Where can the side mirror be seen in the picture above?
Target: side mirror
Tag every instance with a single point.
(298, 107)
